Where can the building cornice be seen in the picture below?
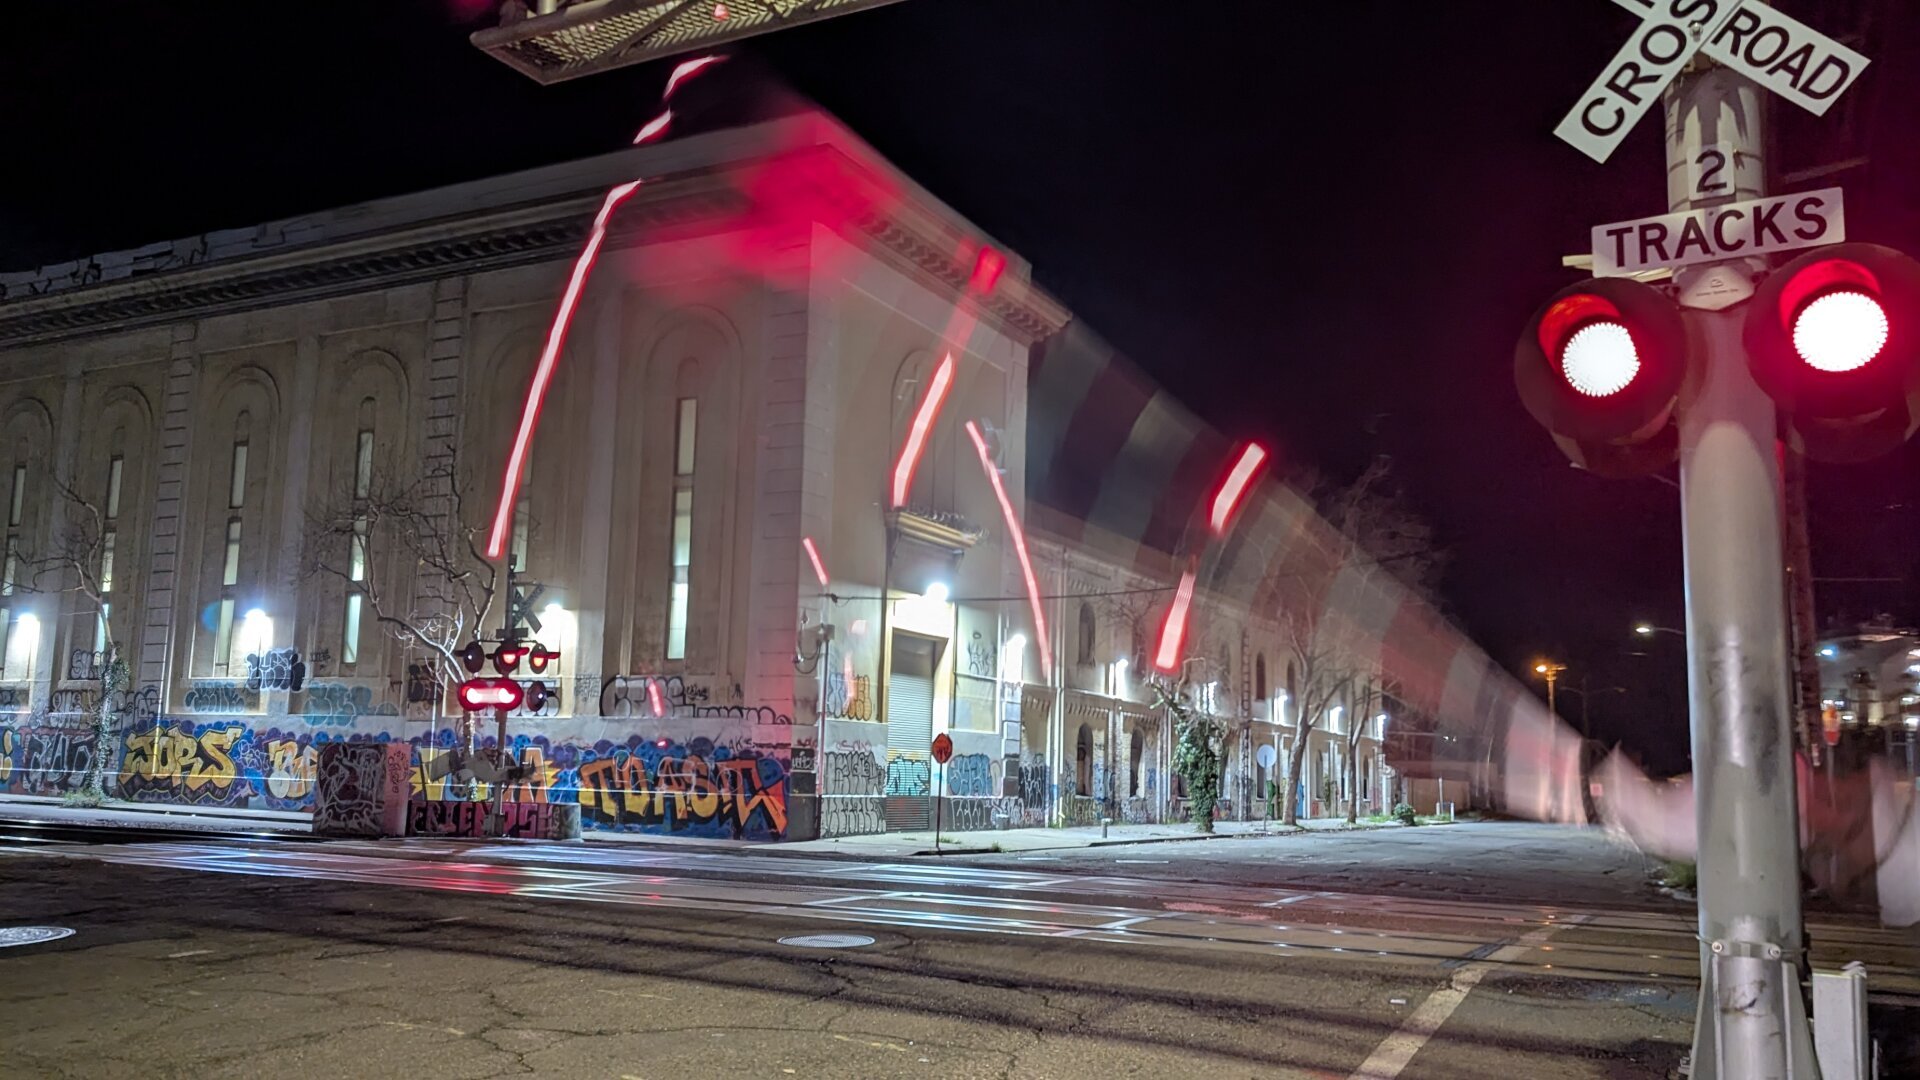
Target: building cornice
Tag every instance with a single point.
(494, 239)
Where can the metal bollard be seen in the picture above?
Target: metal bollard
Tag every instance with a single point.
(1104, 822)
(1840, 1039)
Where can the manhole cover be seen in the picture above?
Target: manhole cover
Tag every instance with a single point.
(31, 935)
(820, 941)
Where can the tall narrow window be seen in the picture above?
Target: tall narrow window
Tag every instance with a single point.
(224, 659)
(16, 508)
(10, 570)
(109, 540)
(1087, 631)
(522, 515)
(357, 543)
(685, 438)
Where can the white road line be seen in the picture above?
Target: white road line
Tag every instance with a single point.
(1393, 1055)
(1122, 924)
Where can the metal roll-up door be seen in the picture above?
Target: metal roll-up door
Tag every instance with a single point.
(909, 790)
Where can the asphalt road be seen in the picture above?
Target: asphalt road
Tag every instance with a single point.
(431, 958)
(1471, 860)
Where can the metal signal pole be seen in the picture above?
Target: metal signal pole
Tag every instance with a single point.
(1752, 1019)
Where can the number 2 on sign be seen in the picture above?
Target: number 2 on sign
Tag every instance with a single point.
(1716, 171)
(1708, 167)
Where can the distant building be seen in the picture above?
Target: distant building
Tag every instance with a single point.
(1871, 675)
(754, 640)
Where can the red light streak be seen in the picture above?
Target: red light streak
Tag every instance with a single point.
(563, 318)
(654, 128)
(543, 374)
(987, 268)
(687, 70)
(1019, 547)
(1227, 499)
(917, 435)
(655, 698)
(813, 556)
(1173, 632)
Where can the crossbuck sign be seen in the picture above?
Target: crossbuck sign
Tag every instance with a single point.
(1779, 53)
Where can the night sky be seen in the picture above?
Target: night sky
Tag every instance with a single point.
(1323, 226)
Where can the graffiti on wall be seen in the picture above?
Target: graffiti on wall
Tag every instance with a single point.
(699, 788)
(851, 805)
(189, 763)
(46, 760)
(209, 696)
(976, 814)
(659, 696)
(979, 656)
(286, 778)
(848, 698)
(1035, 783)
(338, 704)
(969, 775)
(86, 664)
(909, 776)
(518, 820)
(278, 669)
(360, 788)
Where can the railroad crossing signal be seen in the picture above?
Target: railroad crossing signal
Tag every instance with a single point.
(501, 690)
(1609, 365)
(1629, 379)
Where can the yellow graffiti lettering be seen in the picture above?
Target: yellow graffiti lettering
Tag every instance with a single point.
(293, 769)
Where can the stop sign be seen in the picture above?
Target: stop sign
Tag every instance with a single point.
(942, 748)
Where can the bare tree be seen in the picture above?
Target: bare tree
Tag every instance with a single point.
(1318, 673)
(423, 520)
(1373, 517)
(1376, 535)
(79, 563)
(1368, 692)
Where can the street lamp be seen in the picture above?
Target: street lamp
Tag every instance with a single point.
(1648, 630)
(1551, 671)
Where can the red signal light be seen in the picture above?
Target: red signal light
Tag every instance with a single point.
(1603, 367)
(1840, 330)
(1834, 338)
(478, 694)
(1599, 359)
(539, 656)
(506, 658)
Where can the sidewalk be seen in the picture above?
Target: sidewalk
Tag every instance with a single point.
(984, 841)
(35, 809)
(41, 810)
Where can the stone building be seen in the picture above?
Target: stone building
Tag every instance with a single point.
(761, 621)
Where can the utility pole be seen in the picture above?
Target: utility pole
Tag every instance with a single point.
(1752, 1018)
(1552, 672)
(1806, 670)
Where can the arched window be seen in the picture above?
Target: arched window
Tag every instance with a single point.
(358, 556)
(1260, 677)
(1087, 630)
